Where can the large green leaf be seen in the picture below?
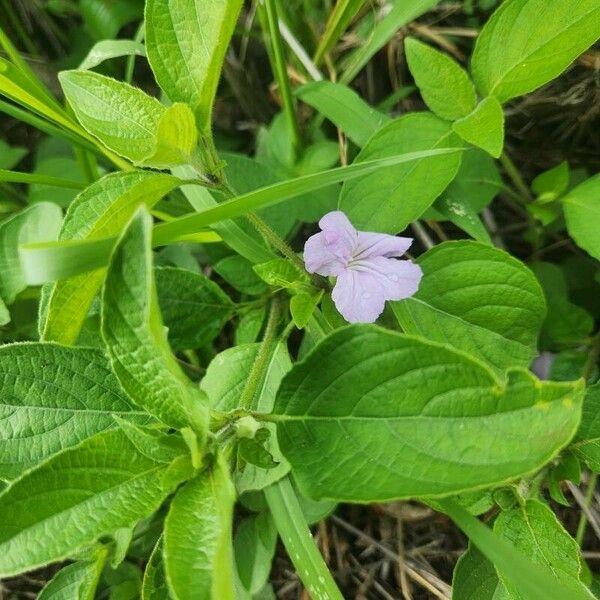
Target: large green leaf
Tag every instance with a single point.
(582, 213)
(526, 43)
(100, 211)
(373, 415)
(345, 108)
(53, 397)
(37, 223)
(534, 530)
(444, 84)
(124, 118)
(135, 337)
(587, 441)
(186, 42)
(193, 307)
(478, 299)
(77, 581)
(389, 199)
(197, 547)
(76, 497)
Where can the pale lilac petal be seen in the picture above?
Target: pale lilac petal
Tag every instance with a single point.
(399, 278)
(358, 296)
(318, 257)
(542, 365)
(339, 234)
(381, 244)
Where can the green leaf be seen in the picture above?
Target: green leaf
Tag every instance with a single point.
(50, 184)
(408, 418)
(536, 581)
(391, 198)
(175, 140)
(224, 382)
(461, 213)
(100, 211)
(10, 157)
(586, 444)
(582, 213)
(197, 550)
(444, 84)
(193, 307)
(254, 545)
(107, 49)
(239, 274)
(484, 127)
(526, 43)
(77, 581)
(550, 184)
(36, 223)
(186, 42)
(135, 338)
(345, 108)
(478, 299)
(154, 586)
(302, 307)
(76, 497)
(534, 530)
(124, 118)
(250, 325)
(474, 577)
(281, 273)
(53, 397)
(104, 18)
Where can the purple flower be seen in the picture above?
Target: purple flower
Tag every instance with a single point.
(365, 264)
(542, 365)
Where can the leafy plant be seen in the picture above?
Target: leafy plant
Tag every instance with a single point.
(189, 366)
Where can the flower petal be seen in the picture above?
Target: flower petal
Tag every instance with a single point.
(340, 235)
(318, 257)
(399, 278)
(371, 245)
(358, 296)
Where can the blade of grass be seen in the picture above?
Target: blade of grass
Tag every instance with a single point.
(401, 14)
(533, 580)
(18, 177)
(337, 23)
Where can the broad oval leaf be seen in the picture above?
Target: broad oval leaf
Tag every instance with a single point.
(478, 299)
(53, 397)
(76, 497)
(443, 83)
(186, 41)
(534, 530)
(124, 118)
(197, 544)
(526, 43)
(102, 210)
(134, 335)
(193, 307)
(393, 197)
(484, 127)
(373, 415)
(582, 213)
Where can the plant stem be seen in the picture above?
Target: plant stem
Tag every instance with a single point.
(515, 176)
(267, 347)
(298, 541)
(280, 70)
(583, 521)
